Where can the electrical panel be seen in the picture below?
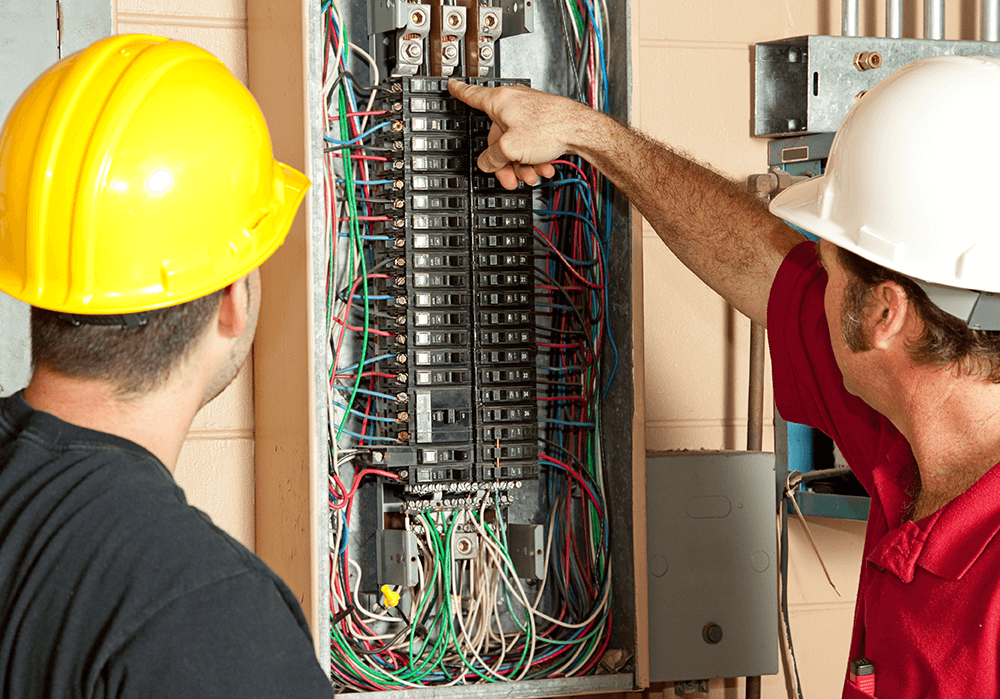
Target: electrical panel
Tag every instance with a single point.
(478, 352)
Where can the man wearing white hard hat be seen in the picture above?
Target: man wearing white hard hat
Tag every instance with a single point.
(885, 335)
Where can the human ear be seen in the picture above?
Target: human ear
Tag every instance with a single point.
(233, 309)
(888, 315)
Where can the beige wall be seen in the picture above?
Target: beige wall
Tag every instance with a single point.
(216, 465)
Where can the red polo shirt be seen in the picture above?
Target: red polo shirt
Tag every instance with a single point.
(928, 609)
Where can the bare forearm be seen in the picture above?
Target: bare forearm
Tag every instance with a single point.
(722, 233)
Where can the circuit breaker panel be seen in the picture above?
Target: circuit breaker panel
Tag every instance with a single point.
(478, 350)
(457, 304)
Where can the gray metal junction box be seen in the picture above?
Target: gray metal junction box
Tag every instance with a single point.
(713, 566)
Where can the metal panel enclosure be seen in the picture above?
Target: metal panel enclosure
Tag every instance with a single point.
(713, 581)
(809, 83)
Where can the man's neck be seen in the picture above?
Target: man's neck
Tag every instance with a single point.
(157, 421)
(953, 425)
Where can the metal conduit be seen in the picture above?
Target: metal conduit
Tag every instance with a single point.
(990, 16)
(934, 19)
(850, 17)
(755, 402)
(894, 18)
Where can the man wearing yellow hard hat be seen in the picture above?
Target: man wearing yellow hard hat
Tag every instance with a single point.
(138, 196)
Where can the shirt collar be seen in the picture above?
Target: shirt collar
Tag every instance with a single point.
(946, 543)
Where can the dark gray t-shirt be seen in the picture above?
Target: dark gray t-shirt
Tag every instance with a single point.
(111, 585)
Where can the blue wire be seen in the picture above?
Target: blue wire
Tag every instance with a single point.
(361, 414)
(343, 546)
(359, 137)
(380, 358)
(369, 437)
(590, 224)
(600, 45)
(558, 369)
(577, 181)
(350, 389)
(568, 423)
(365, 237)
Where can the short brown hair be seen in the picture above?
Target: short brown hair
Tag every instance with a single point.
(945, 340)
(135, 360)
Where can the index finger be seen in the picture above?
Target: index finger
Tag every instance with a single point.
(475, 96)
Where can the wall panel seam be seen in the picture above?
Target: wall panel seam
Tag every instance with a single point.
(700, 422)
(698, 44)
(194, 435)
(172, 20)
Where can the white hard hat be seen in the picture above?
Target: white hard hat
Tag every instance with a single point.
(913, 183)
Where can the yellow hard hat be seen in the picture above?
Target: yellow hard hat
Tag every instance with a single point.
(134, 175)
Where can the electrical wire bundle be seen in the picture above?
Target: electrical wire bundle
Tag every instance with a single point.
(468, 618)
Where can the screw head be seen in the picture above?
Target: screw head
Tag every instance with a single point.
(486, 52)
(712, 633)
(449, 51)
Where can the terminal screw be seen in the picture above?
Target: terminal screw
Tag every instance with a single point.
(378, 457)
(486, 52)
(449, 51)
(412, 50)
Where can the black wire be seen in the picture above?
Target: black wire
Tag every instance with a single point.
(823, 474)
(570, 51)
(569, 302)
